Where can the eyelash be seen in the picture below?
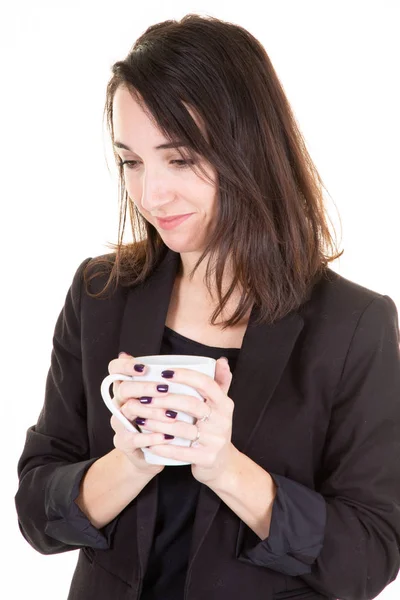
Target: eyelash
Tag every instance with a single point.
(185, 164)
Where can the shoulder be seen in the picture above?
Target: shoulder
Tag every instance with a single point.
(340, 299)
(111, 275)
(340, 311)
(91, 275)
(99, 267)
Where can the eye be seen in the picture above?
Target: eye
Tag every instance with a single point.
(131, 164)
(182, 164)
(127, 162)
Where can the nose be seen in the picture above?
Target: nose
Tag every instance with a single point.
(156, 191)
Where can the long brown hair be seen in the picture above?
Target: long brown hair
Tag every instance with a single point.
(271, 220)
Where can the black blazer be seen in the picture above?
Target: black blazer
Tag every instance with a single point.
(317, 404)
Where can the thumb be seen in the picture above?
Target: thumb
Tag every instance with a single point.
(223, 374)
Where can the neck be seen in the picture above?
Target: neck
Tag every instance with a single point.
(198, 282)
(199, 297)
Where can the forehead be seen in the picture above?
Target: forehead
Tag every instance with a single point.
(129, 115)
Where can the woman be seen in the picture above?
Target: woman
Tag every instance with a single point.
(293, 484)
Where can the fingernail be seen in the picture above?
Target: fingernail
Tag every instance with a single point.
(171, 413)
(168, 437)
(139, 367)
(163, 387)
(122, 354)
(140, 421)
(145, 399)
(224, 357)
(167, 374)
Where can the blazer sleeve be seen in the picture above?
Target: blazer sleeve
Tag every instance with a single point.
(56, 452)
(343, 538)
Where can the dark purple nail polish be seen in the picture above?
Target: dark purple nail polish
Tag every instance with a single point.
(171, 413)
(168, 437)
(163, 387)
(167, 374)
(140, 421)
(145, 399)
(139, 367)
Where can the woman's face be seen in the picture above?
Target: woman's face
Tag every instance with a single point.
(157, 184)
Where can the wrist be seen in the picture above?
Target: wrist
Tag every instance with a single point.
(228, 478)
(148, 471)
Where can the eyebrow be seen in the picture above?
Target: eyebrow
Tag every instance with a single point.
(177, 144)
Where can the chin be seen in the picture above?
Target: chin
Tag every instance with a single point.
(183, 245)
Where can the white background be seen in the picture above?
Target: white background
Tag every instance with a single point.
(339, 64)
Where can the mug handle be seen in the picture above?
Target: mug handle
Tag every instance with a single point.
(105, 392)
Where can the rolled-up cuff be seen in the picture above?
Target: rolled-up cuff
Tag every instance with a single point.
(66, 522)
(296, 533)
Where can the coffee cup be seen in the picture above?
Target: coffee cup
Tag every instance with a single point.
(155, 365)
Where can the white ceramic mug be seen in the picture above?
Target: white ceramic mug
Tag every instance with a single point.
(155, 365)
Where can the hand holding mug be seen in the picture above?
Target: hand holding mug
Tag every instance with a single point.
(125, 440)
(145, 394)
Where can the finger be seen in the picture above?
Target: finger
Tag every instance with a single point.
(126, 366)
(139, 389)
(115, 387)
(179, 429)
(132, 408)
(205, 385)
(124, 438)
(159, 406)
(119, 427)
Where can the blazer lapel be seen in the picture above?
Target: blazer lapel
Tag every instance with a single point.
(263, 356)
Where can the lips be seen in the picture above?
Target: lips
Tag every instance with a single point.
(169, 219)
(172, 222)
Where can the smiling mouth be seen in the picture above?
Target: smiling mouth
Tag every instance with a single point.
(168, 219)
(172, 222)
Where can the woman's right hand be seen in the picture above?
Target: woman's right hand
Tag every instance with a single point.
(127, 442)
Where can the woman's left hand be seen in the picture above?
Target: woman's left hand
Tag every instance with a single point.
(214, 452)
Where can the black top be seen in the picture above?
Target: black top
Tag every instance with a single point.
(166, 570)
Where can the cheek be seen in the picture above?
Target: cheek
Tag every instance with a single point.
(132, 198)
(134, 195)
(132, 188)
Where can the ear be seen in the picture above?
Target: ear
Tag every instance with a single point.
(223, 375)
